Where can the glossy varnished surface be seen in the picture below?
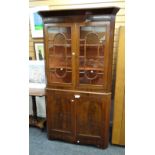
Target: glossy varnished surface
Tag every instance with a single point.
(79, 117)
(75, 12)
(60, 111)
(78, 56)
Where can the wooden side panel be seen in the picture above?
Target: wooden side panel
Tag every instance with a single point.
(118, 136)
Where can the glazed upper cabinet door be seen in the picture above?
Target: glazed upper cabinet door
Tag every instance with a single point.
(58, 54)
(60, 112)
(92, 54)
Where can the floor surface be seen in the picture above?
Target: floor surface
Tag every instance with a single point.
(40, 145)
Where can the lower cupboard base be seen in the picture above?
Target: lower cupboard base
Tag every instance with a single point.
(98, 143)
(79, 117)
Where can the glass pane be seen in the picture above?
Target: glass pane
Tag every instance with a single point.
(60, 60)
(91, 57)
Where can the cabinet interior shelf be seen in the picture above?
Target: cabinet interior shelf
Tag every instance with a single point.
(69, 56)
(68, 39)
(60, 45)
(92, 45)
(82, 72)
(92, 57)
(91, 69)
(69, 45)
(59, 67)
(60, 56)
(81, 68)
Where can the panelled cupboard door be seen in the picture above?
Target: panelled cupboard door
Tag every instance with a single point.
(58, 56)
(60, 115)
(91, 117)
(93, 48)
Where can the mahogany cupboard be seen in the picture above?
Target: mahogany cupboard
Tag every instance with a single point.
(78, 62)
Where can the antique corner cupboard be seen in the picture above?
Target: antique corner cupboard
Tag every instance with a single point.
(78, 62)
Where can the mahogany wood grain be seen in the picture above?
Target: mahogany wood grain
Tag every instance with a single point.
(60, 111)
(79, 112)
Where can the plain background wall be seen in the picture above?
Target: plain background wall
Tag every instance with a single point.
(70, 4)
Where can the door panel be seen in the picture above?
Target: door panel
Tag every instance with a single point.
(60, 109)
(90, 119)
(59, 57)
(93, 39)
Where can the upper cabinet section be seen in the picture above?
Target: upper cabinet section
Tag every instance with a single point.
(78, 48)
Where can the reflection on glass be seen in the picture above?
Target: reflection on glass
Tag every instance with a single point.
(59, 43)
(91, 58)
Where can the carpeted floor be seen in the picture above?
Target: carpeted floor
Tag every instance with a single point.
(40, 145)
